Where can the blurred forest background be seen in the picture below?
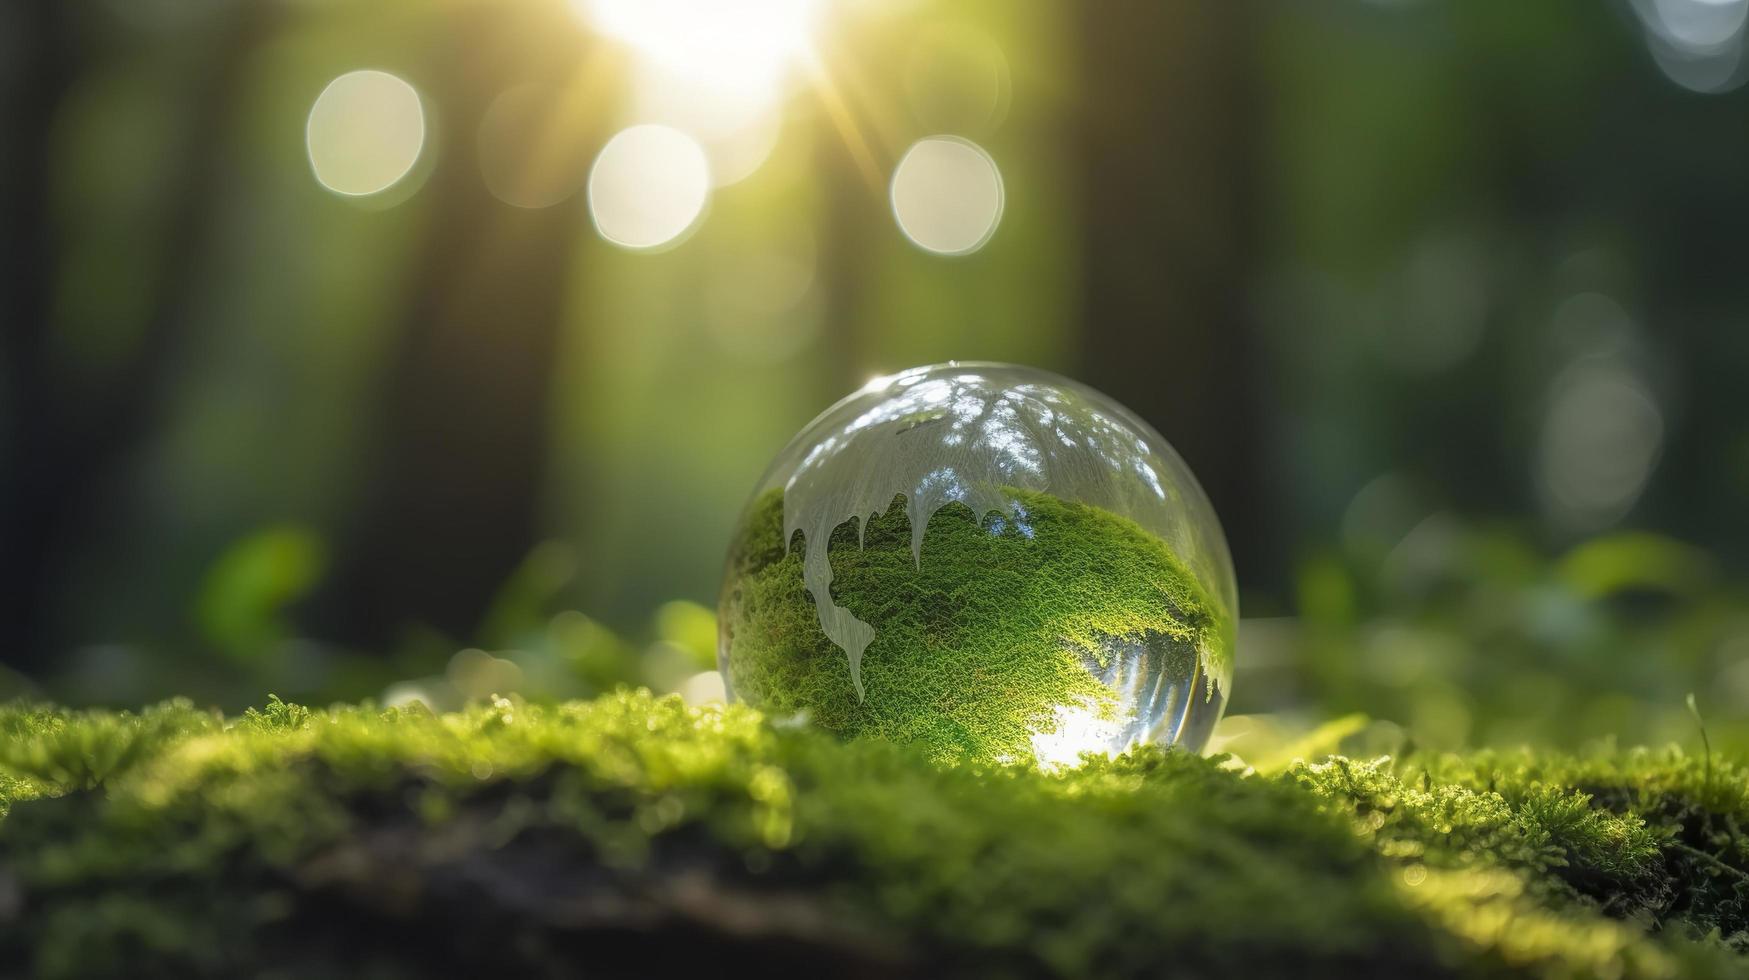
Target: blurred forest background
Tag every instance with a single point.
(384, 350)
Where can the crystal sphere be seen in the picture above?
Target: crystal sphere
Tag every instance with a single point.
(986, 560)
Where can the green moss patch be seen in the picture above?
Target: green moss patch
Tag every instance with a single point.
(633, 835)
(978, 644)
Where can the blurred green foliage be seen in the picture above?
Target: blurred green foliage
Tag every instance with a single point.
(242, 605)
(1466, 635)
(1460, 636)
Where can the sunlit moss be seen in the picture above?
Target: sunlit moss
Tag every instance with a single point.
(978, 644)
(1521, 878)
(401, 843)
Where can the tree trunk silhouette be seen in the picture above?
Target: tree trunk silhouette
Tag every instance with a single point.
(1169, 203)
(63, 442)
(452, 500)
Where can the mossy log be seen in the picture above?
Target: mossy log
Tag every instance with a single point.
(633, 835)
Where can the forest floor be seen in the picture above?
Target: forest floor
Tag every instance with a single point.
(635, 835)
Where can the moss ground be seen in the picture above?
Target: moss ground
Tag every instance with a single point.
(977, 645)
(632, 835)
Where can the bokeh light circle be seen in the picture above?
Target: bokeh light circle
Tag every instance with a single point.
(532, 155)
(947, 195)
(737, 127)
(1601, 439)
(757, 307)
(958, 80)
(365, 132)
(648, 187)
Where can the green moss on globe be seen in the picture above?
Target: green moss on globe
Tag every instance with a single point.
(980, 643)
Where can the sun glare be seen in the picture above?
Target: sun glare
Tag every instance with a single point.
(747, 44)
(737, 129)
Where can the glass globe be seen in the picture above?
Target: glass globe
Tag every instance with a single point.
(989, 561)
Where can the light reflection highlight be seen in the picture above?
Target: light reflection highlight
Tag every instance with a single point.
(1073, 732)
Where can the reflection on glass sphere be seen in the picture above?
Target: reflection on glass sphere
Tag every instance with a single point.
(986, 560)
